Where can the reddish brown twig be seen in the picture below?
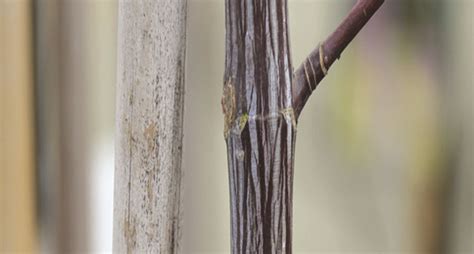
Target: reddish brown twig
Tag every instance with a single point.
(315, 66)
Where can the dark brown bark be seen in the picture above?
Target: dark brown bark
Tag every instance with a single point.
(260, 125)
(261, 103)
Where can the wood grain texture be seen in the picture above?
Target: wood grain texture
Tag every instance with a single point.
(150, 93)
(260, 126)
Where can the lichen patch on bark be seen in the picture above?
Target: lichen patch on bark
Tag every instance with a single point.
(243, 119)
(228, 107)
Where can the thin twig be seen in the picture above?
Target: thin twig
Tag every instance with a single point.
(315, 66)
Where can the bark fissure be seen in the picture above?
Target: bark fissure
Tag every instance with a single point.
(262, 101)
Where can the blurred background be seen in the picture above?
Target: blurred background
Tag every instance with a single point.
(384, 154)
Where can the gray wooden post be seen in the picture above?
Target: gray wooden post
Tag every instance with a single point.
(150, 93)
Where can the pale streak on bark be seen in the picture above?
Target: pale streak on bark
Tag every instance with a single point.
(150, 93)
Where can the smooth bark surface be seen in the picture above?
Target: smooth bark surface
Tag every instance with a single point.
(150, 93)
(261, 104)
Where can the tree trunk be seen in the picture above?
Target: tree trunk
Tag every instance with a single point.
(261, 104)
(150, 93)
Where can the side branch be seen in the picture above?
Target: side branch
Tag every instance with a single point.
(315, 66)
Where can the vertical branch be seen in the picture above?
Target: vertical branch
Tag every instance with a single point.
(260, 126)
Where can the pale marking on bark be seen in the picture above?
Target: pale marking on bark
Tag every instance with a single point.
(289, 115)
(314, 74)
(228, 106)
(237, 126)
(241, 155)
(321, 60)
(243, 119)
(307, 76)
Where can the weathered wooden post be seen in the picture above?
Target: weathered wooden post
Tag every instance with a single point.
(150, 93)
